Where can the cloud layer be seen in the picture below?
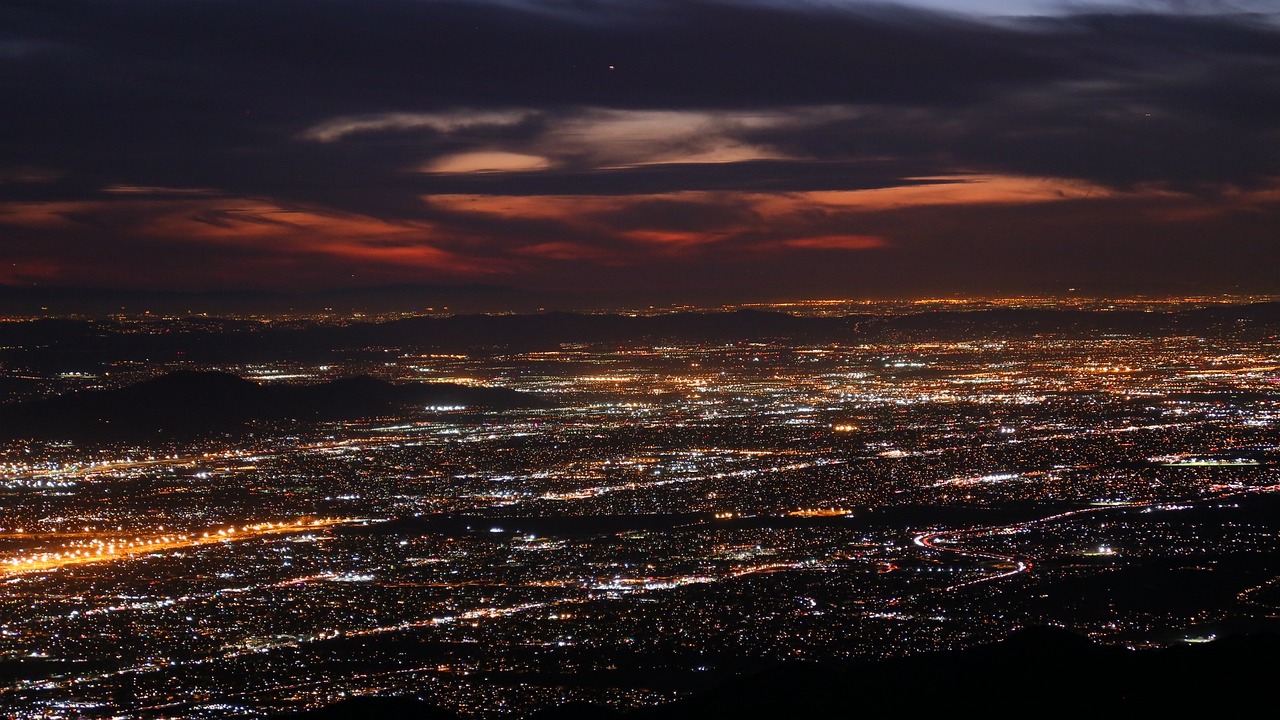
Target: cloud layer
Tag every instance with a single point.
(622, 146)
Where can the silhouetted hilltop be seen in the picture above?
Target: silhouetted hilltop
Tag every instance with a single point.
(187, 403)
(1034, 671)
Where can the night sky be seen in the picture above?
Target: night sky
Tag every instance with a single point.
(649, 150)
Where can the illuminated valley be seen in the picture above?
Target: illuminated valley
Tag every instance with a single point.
(673, 510)
(638, 359)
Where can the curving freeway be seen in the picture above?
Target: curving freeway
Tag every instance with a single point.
(941, 540)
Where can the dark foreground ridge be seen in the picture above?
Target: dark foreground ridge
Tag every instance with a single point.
(1032, 672)
(183, 404)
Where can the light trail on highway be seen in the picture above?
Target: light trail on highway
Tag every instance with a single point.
(112, 548)
(940, 540)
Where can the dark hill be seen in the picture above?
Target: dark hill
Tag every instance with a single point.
(1041, 671)
(184, 404)
(1035, 671)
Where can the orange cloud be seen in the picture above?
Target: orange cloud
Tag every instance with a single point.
(671, 238)
(487, 161)
(826, 220)
(567, 251)
(1230, 200)
(943, 190)
(202, 238)
(259, 233)
(525, 206)
(959, 190)
(43, 215)
(837, 242)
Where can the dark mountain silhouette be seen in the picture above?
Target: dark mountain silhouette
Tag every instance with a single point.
(1039, 670)
(50, 346)
(188, 403)
(1033, 672)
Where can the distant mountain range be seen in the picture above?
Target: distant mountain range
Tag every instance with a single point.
(57, 345)
(1035, 672)
(182, 404)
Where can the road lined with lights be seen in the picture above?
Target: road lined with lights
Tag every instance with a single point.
(931, 540)
(114, 548)
(928, 540)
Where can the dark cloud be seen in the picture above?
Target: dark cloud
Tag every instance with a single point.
(710, 215)
(212, 93)
(754, 176)
(368, 109)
